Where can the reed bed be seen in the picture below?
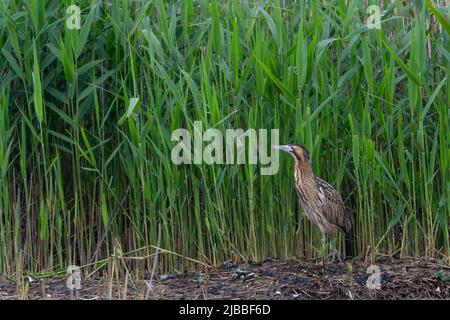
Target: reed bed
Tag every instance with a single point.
(86, 118)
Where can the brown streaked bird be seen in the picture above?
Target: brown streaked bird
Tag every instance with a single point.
(322, 204)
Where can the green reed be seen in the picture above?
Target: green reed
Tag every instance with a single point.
(85, 168)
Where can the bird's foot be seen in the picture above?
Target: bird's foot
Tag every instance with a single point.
(334, 256)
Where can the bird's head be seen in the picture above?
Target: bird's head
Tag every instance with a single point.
(300, 153)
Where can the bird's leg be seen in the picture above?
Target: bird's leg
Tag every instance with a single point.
(324, 247)
(334, 253)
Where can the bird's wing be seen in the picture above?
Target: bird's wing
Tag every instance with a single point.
(333, 206)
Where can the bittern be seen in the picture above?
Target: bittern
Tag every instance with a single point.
(321, 203)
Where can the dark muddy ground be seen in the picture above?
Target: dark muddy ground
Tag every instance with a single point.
(405, 278)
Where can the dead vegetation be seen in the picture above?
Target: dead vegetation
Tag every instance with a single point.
(405, 278)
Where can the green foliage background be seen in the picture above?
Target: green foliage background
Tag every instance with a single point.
(85, 174)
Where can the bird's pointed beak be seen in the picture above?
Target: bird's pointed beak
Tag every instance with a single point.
(284, 148)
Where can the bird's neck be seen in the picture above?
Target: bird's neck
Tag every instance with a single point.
(303, 172)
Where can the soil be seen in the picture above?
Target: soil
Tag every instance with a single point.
(406, 278)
